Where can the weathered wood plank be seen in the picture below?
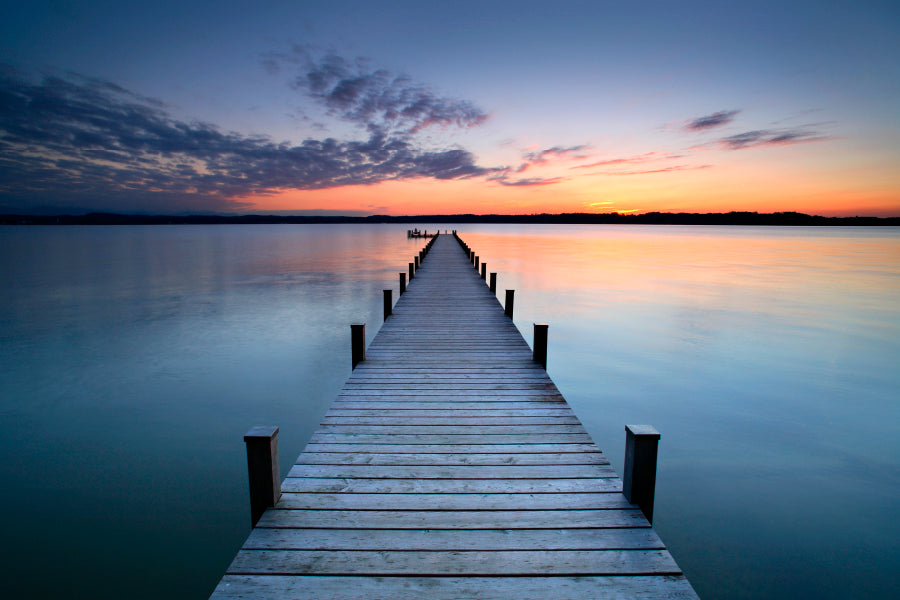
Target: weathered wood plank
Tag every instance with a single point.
(274, 587)
(453, 471)
(539, 412)
(342, 501)
(363, 457)
(466, 562)
(448, 519)
(458, 439)
(449, 486)
(450, 420)
(536, 448)
(449, 540)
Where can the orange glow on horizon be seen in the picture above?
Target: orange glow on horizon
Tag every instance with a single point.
(727, 188)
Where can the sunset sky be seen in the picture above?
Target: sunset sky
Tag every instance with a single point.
(296, 107)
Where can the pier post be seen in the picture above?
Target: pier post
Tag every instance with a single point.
(358, 342)
(402, 283)
(416, 260)
(539, 351)
(412, 270)
(510, 296)
(262, 469)
(477, 258)
(484, 271)
(639, 478)
(388, 303)
(493, 283)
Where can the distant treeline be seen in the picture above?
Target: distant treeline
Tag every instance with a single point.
(653, 218)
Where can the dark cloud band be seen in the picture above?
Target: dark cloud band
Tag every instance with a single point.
(75, 141)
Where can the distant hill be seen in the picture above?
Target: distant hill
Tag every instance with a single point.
(652, 218)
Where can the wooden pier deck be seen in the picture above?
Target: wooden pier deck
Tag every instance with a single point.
(450, 466)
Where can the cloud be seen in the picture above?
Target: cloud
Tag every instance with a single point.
(551, 155)
(527, 181)
(768, 137)
(660, 170)
(628, 160)
(717, 119)
(69, 140)
(557, 152)
(374, 97)
(625, 165)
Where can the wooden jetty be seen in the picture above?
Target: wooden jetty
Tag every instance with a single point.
(450, 466)
(415, 233)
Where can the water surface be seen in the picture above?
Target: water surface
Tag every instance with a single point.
(133, 359)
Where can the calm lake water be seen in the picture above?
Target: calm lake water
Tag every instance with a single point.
(133, 360)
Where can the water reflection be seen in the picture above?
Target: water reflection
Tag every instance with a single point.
(133, 359)
(767, 358)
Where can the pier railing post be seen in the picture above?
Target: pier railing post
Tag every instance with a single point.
(639, 478)
(388, 303)
(358, 342)
(412, 270)
(416, 260)
(484, 271)
(510, 296)
(402, 283)
(540, 344)
(493, 283)
(263, 470)
(477, 259)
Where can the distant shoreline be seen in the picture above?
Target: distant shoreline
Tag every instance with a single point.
(791, 219)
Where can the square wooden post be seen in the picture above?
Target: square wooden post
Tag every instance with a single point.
(639, 478)
(358, 342)
(263, 470)
(539, 351)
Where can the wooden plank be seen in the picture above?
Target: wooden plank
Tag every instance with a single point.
(449, 486)
(467, 562)
(451, 420)
(453, 540)
(536, 448)
(363, 457)
(540, 412)
(448, 519)
(274, 587)
(478, 429)
(453, 471)
(459, 439)
(343, 501)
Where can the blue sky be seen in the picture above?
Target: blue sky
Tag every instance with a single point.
(509, 107)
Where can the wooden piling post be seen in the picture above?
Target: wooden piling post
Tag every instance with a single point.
(509, 303)
(477, 258)
(639, 478)
(493, 283)
(388, 303)
(539, 351)
(262, 470)
(358, 342)
(412, 270)
(416, 260)
(484, 271)
(402, 283)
